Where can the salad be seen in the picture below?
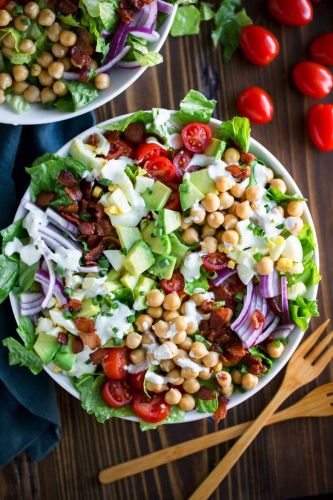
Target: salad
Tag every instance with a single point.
(60, 52)
(161, 265)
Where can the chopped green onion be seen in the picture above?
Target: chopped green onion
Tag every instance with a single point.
(68, 290)
(239, 296)
(105, 182)
(131, 318)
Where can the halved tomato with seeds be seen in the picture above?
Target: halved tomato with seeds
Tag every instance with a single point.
(196, 136)
(117, 393)
(214, 261)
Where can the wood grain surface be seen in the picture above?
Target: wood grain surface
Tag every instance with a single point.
(290, 460)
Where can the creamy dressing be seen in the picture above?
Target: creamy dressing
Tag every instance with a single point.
(290, 222)
(218, 169)
(45, 325)
(137, 368)
(172, 332)
(160, 352)
(68, 259)
(115, 326)
(154, 378)
(58, 318)
(96, 286)
(192, 314)
(80, 365)
(188, 363)
(13, 247)
(190, 267)
(201, 160)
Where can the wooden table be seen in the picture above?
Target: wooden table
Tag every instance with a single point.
(292, 459)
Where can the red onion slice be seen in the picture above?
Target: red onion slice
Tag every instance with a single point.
(283, 331)
(284, 299)
(146, 34)
(106, 67)
(129, 65)
(164, 7)
(243, 314)
(30, 298)
(266, 333)
(269, 285)
(61, 222)
(222, 276)
(51, 283)
(32, 310)
(43, 277)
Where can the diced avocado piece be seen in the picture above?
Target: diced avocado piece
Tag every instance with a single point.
(158, 243)
(46, 347)
(88, 309)
(113, 275)
(128, 236)
(86, 154)
(139, 258)
(164, 266)
(129, 281)
(142, 183)
(201, 180)
(156, 196)
(178, 249)
(112, 286)
(170, 220)
(141, 291)
(64, 357)
(116, 258)
(189, 194)
(216, 148)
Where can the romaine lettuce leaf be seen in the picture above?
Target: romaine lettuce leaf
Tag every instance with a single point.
(176, 415)
(201, 282)
(301, 310)
(149, 59)
(195, 107)
(26, 277)
(79, 95)
(17, 103)
(237, 130)
(206, 11)
(206, 405)
(280, 198)
(15, 230)
(187, 21)
(8, 273)
(20, 355)
(310, 274)
(26, 331)
(121, 125)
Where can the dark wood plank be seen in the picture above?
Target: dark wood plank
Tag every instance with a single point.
(292, 459)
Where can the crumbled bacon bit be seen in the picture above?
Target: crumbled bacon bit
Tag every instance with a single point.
(90, 339)
(67, 7)
(95, 253)
(104, 227)
(239, 172)
(257, 319)
(62, 338)
(44, 199)
(221, 411)
(135, 133)
(112, 136)
(126, 15)
(84, 324)
(97, 356)
(73, 208)
(66, 178)
(86, 228)
(74, 193)
(205, 393)
(77, 345)
(75, 305)
(80, 59)
(247, 158)
(93, 140)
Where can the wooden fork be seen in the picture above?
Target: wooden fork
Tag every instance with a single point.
(317, 403)
(310, 359)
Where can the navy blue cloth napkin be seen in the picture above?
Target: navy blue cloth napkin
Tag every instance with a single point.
(29, 417)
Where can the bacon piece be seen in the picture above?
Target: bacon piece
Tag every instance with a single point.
(254, 364)
(221, 411)
(126, 15)
(85, 325)
(104, 227)
(67, 7)
(205, 393)
(90, 339)
(62, 338)
(80, 58)
(227, 291)
(257, 319)
(72, 218)
(99, 211)
(77, 345)
(93, 241)
(93, 140)
(236, 349)
(112, 136)
(135, 133)
(86, 188)
(247, 158)
(110, 240)
(44, 198)
(97, 356)
(74, 193)
(75, 304)
(94, 253)
(73, 208)
(66, 178)
(239, 172)
(220, 317)
(86, 228)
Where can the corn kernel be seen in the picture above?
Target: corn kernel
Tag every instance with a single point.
(231, 264)
(284, 265)
(97, 191)
(56, 369)
(271, 244)
(112, 187)
(279, 240)
(111, 210)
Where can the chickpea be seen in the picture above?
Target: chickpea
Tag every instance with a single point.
(45, 79)
(173, 396)
(7, 52)
(133, 340)
(191, 385)
(226, 201)
(47, 95)
(172, 348)
(146, 339)
(198, 214)
(209, 244)
(9, 41)
(94, 64)
(211, 202)
(10, 6)
(179, 338)
(143, 322)
(170, 315)
(157, 388)
(53, 32)
(218, 367)
(155, 312)
(192, 327)
(207, 231)
(279, 210)
(236, 377)
(137, 356)
(279, 184)
(243, 210)
(155, 298)
(224, 379)
(31, 10)
(230, 221)
(59, 50)
(215, 219)
(5, 18)
(228, 391)
(181, 355)
(265, 266)
(230, 237)
(189, 372)
(60, 88)
(185, 223)
(237, 190)
(187, 344)
(295, 208)
(27, 46)
(275, 349)
(46, 17)
(223, 183)
(68, 38)
(232, 209)
(197, 298)
(20, 87)
(205, 374)
(102, 81)
(253, 193)
(174, 377)
(56, 70)
(45, 59)
(231, 155)
(32, 94)
(161, 328)
(20, 73)
(167, 365)
(249, 381)
(190, 236)
(6, 81)
(211, 359)
(172, 301)
(2, 96)
(181, 323)
(187, 402)
(297, 227)
(198, 350)
(21, 23)
(66, 62)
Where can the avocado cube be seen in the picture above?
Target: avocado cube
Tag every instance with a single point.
(88, 309)
(178, 249)
(129, 281)
(164, 266)
(46, 347)
(156, 196)
(127, 236)
(158, 243)
(216, 148)
(201, 180)
(64, 357)
(139, 258)
(170, 220)
(189, 194)
(141, 291)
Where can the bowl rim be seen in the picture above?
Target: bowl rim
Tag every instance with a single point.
(105, 96)
(297, 334)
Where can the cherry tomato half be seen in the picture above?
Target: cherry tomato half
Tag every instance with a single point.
(175, 284)
(117, 393)
(214, 261)
(173, 202)
(321, 49)
(256, 104)
(292, 12)
(119, 148)
(160, 168)
(3, 3)
(259, 45)
(114, 363)
(153, 409)
(320, 125)
(147, 150)
(136, 380)
(312, 79)
(181, 160)
(196, 136)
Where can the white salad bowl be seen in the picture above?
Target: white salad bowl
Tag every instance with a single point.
(295, 337)
(121, 79)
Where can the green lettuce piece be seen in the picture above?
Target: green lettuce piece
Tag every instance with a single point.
(79, 95)
(26, 277)
(21, 58)
(280, 198)
(175, 415)
(8, 273)
(206, 11)
(256, 351)
(301, 310)
(228, 25)
(206, 405)
(195, 107)
(89, 388)
(108, 13)
(20, 355)
(237, 130)
(187, 21)
(310, 275)
(26, 331)
(92, 7)
(102, 46)
(121, 125)
(70, 21)
(201, 282)
(17, 103)
(17, 35)
(15, 230)
(203, 340)
(149, 59)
